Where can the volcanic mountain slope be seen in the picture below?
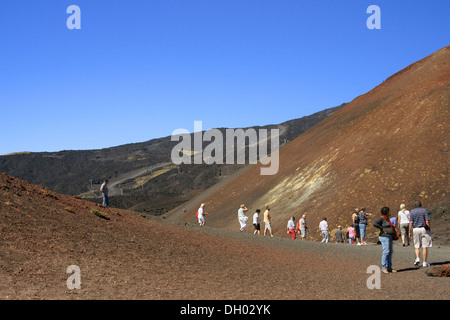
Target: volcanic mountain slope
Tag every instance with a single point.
(142, 175)
(387, 147)
(120, 255)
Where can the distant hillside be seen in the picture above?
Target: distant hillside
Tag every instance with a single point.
(141, 174)
(386, 147)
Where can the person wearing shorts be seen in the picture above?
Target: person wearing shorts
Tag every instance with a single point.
(267, 218)
(419, 231)
(403, 221)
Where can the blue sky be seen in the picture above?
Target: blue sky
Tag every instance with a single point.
(139, 69)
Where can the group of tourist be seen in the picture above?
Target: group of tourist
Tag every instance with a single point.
(300, 228)
(414, 224)
(243, 219)
(256, 220)
(292, 228)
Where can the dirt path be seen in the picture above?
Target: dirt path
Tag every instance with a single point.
(280, 268)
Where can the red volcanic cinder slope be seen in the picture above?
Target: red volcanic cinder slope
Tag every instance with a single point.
(42, 233)
(387, 147)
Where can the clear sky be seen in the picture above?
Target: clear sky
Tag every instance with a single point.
(139, 69)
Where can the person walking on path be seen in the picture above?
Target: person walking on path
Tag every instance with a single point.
(394, 221)
(363, 225)
(403, 222)
(323, 228)
(339, 235)
(267, 221)
(419, 229)
(257, 222)
(242, 217)
(104, 191)
(302, 227)
(355, 219)
(291, 227)
(201, 215)
(386, 238)
(351, 234)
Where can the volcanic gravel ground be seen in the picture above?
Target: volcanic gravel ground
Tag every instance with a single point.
(131, 257)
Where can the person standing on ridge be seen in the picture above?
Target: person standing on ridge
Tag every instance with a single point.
(104, 191)
(363, 225)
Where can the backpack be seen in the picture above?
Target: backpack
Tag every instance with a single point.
(395, 235)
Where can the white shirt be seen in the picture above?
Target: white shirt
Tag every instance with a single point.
(200, 213)
(291, 224)
(323, 225)
(256, 219)
(404, 216)
(104, 188)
